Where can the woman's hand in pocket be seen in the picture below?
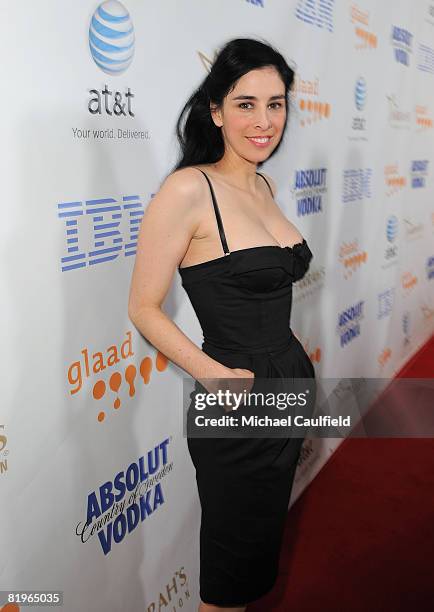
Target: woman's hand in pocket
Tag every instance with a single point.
(234, 380)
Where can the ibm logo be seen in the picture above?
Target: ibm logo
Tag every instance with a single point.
(105, 216)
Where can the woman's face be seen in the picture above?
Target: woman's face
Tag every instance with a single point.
(253, 115)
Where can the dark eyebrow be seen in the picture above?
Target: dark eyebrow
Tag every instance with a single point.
(280, 97)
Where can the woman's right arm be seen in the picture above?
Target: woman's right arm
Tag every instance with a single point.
(167, 227)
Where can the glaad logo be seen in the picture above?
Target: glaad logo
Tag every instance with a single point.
(395, 181)
(309, 104)
(111, 37)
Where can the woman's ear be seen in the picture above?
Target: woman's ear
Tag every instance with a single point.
(216, 115)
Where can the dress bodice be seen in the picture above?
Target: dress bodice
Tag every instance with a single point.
(243, 299)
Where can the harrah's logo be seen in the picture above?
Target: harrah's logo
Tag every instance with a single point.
(309, 189)
(134, 494)
(349, 319)
(3, 450)
(174, 593)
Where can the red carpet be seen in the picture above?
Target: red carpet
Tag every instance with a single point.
(360, 538)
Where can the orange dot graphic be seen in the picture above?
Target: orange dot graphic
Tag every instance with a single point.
(115, 381)
(101, 417)
(161, 362)
(145, 369)
(10, 607)
(130, 375)
(98, 389)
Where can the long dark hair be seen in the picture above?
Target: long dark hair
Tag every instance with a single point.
(201, 141)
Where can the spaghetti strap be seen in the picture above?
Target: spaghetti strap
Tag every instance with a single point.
(217, 214)
(271, 191)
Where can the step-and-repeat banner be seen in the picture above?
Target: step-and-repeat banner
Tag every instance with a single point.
(98, 492)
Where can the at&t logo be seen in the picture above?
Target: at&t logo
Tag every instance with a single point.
(360, 94)
(111, 43)
(359, 122)
(111, 37)
(391, 235)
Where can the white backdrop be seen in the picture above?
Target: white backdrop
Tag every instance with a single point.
(91, 417)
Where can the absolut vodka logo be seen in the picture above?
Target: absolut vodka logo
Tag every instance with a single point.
(402, 41)
(430, 268)
(310, 187)
(348, 327)
(419, 173)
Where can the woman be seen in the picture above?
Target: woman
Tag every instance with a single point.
(215, 219)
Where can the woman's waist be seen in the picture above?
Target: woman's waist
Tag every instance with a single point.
(268, 346)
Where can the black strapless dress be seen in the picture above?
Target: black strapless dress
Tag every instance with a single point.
(243, 302)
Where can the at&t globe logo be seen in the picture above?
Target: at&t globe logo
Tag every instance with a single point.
(392, 228)
(359, 121)
(391, 235)
(360, 93)
(111, 37)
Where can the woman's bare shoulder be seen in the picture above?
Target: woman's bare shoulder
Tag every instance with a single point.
(180, 193)
(186, 181)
